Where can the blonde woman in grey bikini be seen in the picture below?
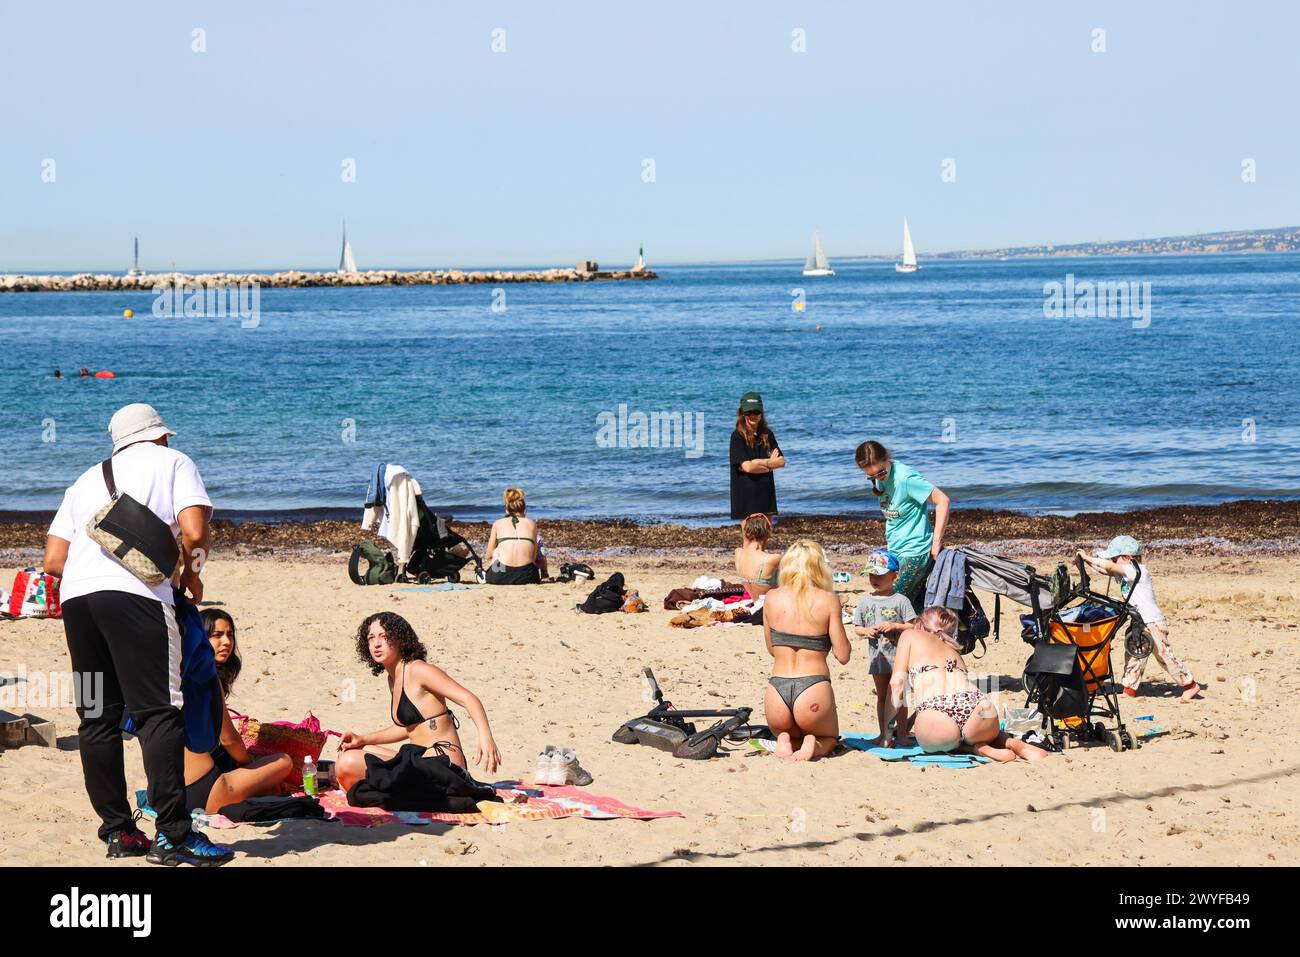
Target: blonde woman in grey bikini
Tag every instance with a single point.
(802, 624)
(514, 549)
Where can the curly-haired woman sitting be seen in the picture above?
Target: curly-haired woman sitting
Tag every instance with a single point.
(418, 709)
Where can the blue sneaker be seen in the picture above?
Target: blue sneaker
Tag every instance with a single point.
(196, 849)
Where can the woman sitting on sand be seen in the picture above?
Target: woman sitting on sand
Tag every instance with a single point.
(802, 624)
(514, 549)
(948, 712)
(419, 694)
(229, 774)
(755, 566)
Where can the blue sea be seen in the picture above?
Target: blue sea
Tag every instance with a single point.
(957, 369)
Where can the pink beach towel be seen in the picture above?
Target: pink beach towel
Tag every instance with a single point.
(555, 803)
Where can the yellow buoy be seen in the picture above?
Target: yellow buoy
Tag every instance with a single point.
(798, 307)
(127, 313)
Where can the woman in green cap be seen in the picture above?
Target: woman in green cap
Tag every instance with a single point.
(754, 457)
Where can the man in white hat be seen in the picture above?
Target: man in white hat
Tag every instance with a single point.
(125, 630)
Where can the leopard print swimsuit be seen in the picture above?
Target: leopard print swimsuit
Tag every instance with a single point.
(958, 706)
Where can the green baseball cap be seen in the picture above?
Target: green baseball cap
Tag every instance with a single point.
(1121, 545)
(751, 402)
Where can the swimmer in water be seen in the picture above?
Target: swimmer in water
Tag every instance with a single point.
(57, 374)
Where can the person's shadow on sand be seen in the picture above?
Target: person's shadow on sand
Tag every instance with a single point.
(298, 837)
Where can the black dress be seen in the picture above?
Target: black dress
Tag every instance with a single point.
(752, 493)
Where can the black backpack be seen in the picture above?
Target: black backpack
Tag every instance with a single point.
(380, 567)
(972, 626)
(607, 596)
(1054, 680)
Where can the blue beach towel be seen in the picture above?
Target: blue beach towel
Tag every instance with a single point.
(445, 586)
(918, 756)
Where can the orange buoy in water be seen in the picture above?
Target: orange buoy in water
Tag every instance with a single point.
(105, 374)
(127, 313)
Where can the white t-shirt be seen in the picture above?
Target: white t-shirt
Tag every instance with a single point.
(1143, 597)
(163, 479)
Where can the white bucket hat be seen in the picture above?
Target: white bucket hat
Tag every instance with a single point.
(137, 422)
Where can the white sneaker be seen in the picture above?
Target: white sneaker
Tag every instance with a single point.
(555, 769)
(565, 769)
(542, 771)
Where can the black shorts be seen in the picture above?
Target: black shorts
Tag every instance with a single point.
(498, 574)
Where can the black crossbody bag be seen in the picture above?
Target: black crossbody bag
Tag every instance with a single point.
(134, 535)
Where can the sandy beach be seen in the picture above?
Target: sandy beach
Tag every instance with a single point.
(1213, 787)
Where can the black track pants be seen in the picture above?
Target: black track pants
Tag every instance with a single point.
(126, 651)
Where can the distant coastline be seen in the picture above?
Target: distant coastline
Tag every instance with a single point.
(1283, 240)
(296, 279)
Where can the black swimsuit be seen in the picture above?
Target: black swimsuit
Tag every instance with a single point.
(197, 794)
(408, 715)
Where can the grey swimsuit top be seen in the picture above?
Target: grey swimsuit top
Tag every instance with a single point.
(803, 642)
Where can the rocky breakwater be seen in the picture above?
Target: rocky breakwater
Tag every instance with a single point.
(294, 279)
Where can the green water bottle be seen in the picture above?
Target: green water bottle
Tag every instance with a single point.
(309, 776)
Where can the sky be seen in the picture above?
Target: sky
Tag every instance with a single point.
(536, 152)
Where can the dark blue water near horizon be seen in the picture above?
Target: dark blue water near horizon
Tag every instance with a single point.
(956, 369)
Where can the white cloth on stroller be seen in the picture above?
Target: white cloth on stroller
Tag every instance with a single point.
(399, 521)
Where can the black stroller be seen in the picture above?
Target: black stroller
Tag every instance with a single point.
(432, 556)
(1071, 627)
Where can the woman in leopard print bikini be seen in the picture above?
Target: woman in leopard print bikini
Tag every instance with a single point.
(949, 713)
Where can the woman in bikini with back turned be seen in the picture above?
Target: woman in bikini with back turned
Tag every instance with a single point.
(418, 707)
(514, 549)
(948, 712)
(755, 566)
(802, 624)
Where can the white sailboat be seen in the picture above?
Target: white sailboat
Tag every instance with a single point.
(818, 264)
(135, 269)
(909, 252)
(346, 263)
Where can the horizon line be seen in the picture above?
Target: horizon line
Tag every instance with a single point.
(968, 253)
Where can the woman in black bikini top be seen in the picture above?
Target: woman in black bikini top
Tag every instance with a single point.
(387, 643)
(408, 715)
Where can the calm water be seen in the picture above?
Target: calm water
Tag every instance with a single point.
(1043, 414)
